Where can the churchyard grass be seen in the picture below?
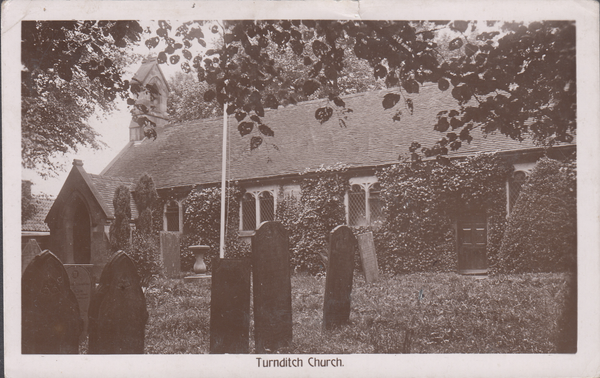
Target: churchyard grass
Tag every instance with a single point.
(414, 313)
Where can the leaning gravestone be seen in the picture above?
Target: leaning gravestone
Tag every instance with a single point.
(272, 287)
(368, 257)
(50, 322)
(338, 283)
(80, 276)
(230, 306)
(170, 253)
(117, 311)
(32, 249)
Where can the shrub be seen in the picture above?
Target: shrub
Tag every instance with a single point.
(202, 222)
(145, 253)
(145, 197)
(120, 230)
(541, 235)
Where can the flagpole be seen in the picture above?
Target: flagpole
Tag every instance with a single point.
(223, 184)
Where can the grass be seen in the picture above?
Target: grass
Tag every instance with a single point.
(455, 314)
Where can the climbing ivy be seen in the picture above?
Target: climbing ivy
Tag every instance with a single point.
(423, 201)
(202, 222)
(310, 218)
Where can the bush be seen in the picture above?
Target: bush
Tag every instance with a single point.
(145, 253)
(202, 222)
(541, 235)
(120, 230)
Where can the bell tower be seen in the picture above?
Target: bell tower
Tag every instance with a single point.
(151, 104)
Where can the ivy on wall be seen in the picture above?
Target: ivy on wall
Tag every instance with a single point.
(202, 222)
(311, 218)
(423, 201)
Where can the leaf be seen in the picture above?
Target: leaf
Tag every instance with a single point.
(323, 114)
(266, 130)
(390, 100)
(255, 142)
(152, 42)
(411, 86)
(245, 128)
(470, 49)
(130, 101)
(65, 72)
(443, 84)
(255, 118)
(271, 101)
(456, 43)
(307, 61)
(259, 110)
(209, 95)
(339, 102)
(379, 71)
(397, 116)
(410, 105)
(214, 29)
(174, 59)
(187, 54)
(161, 58)
(460, 26)
(239, 116)
(442, 125)
(310, 86)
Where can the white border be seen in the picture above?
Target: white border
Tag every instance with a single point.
(586, 363)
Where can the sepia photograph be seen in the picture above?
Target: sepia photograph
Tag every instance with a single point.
(296, 190)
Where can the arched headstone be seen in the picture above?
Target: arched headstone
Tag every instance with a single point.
(50, 323)
(272, 287)
(230, 306)
(117, 313)
(338, 283)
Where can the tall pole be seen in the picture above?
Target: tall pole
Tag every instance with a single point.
(223, 184)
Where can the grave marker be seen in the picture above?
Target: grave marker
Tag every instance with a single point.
(272, 287)
(368, 257)
(117, 310)
(338, 283)
(170, 253)
(50, 322)
(32, 249)
(80, 276)
(230, 306)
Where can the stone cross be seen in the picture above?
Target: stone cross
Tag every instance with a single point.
(230, 306)
(50, 322)
(272, 287)
(338, 283)
(117, 311)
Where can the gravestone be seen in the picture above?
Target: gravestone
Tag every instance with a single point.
(368, 257)
(170, 253)
(272, 287)
(32, 249)
(50, 320)
(338, 283)
(80, 276)
(117, 310)
(230, 306)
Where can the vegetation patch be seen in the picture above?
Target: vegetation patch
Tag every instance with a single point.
(415, 313)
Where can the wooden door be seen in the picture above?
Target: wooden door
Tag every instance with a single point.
(472, 243)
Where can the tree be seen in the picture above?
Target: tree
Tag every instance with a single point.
(185, 101)
(120, 229)
(145, 197)
(70, 70)
(514, 78)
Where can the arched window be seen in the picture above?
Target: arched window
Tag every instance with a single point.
(248, 212)
(172, 216)
(514, 187)
(267, 207)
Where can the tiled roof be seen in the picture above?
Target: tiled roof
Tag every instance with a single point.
(190, 153)
(106, 186)
(37, 223)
